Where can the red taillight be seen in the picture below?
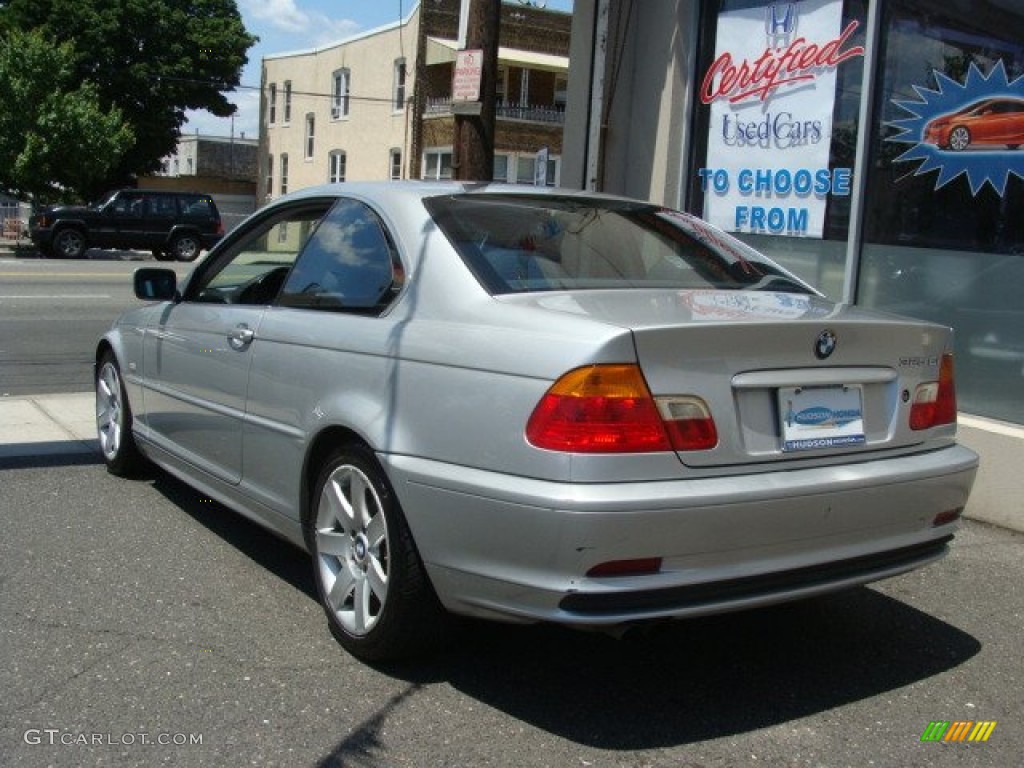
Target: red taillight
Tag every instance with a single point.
(598, 409)
(935, 401)
(609, 409)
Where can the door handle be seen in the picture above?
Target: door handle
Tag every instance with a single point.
(241, 336)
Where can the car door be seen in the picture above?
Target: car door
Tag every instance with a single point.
(120, 215)
(324, 351)
(161, 213)
(198, 354)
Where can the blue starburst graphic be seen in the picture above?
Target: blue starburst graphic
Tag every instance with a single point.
(938, 113)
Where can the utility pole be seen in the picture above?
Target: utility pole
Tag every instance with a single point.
(474, 122)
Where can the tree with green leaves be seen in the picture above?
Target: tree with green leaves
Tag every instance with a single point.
(151, 59)
(56, 141)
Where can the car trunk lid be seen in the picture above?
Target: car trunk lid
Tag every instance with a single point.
(786, 376)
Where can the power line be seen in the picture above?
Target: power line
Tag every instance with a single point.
(315, 94)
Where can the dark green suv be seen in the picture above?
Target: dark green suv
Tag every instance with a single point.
(173, 225)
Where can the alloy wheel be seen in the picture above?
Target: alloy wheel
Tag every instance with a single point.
(109, 411)
(352, 552)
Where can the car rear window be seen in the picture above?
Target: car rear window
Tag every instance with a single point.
(517, 243)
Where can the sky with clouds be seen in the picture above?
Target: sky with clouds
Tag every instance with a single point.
(293, 25)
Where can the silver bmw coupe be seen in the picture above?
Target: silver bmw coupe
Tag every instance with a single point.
(535, 405)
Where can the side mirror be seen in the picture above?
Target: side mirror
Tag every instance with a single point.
(155, 284)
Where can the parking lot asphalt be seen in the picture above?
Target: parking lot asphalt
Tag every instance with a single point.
(64, 425)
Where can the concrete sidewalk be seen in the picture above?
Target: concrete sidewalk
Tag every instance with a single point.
(56, 425)
(48, 425)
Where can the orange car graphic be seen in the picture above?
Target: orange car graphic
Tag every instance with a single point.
(998, 121)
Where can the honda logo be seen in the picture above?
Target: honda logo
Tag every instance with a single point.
(780, 23)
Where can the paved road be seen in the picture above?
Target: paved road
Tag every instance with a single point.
(139, 607)
(53, 311)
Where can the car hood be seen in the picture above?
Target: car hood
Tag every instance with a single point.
(66, 209)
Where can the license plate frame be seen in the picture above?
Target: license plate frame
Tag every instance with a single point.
(821, 417)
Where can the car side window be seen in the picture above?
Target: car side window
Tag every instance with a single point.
(128, 205)
(196, 205)
(350, 264)
(251, 269)
(163, 205)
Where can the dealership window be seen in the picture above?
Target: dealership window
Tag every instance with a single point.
(944, 203)
(774, 165)
(284, 173)
(310, 134)
(336, 166)
(341, 84)
(398, 89)
(437, 164)
(272, 104)
(395, 164)
(287, 101)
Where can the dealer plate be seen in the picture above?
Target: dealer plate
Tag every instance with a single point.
(821, 417)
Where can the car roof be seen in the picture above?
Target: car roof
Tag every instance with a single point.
(412, 190)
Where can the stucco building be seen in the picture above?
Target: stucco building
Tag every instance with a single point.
(378, 105)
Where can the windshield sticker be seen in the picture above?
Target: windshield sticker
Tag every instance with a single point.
(974, 129)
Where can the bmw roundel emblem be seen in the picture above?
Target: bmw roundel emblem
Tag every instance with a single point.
(825, 345)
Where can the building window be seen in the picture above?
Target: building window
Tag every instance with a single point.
(437, 164)
(500, 167)
(336, 166)
(398, 94)
(270, 175)
(501, 86)
(310, 134)
(284, 174)
(287, 101)
(525, 166)
(272, 104)
(561, 90)
(395, 164)
(341, 85)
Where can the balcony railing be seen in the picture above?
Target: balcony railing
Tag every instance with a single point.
(530, 113)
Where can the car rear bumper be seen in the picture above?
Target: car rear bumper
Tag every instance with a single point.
(518, 549)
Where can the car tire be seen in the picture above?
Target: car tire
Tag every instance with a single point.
(959, 139)
(114, 420)
(1012, 146)
(372, 584)
(69, 243)
(185, 247)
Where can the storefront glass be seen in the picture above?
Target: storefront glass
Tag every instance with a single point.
(779, 87)
(944, 206)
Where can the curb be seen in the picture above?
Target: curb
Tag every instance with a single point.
(64, 425)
